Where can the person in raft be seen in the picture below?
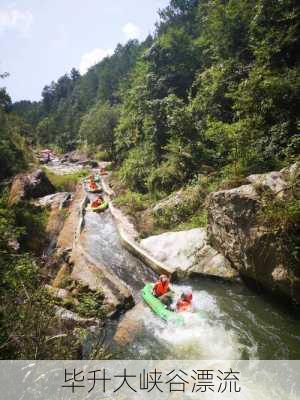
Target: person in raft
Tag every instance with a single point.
(103, 171)
(162, 290)
(93, 185)
(97, 202)
(185, 302)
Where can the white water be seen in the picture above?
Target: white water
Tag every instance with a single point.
(202, 337)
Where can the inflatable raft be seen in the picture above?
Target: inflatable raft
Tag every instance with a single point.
(158, 307)
(98, 189)
(100, 208)
(96, 178)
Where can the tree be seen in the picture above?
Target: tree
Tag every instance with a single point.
(98, 126)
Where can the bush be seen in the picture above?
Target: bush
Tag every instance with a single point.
(27, 314)
(135, 169)
(65, 183)
(133, 202)
(180, 207)
(33, 220)
(100, 155)
(90, 304)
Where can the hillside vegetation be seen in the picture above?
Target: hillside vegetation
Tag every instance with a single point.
(212, 97)
(216, 88)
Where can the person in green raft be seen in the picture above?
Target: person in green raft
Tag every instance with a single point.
(162, 290)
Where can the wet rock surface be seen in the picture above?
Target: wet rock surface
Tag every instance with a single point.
(84, 268)
(130, 326)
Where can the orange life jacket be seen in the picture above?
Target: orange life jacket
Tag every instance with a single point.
(96, 203)
(161, 288)
(93, 185)
(183, 305)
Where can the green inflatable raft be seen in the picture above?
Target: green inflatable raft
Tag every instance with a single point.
(96, 178)
(158, 307)
(100, 208)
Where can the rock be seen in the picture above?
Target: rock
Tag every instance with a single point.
(30, 185)
(62, 294)
(88, 163)
(56, 200)
(176, 207)
(187, 253)
(79, 157)
(130, 326)
(258, 252)
(70, 320)
(62, 276)
(117, 296)
(170, 202)
(71, 226)
(84, 268)
(209, 261)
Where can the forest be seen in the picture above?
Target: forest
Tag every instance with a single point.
(215, 91)
(217, 86)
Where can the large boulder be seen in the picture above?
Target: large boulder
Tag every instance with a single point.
(178, 206)
(257, 250)
(56, 200)
(130, 325)
(30, 185)
(188, 253)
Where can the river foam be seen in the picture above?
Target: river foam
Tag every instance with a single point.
(203, 335)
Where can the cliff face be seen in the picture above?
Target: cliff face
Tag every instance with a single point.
(260, 248)
(30, 185)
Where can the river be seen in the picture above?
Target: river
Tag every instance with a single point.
(229, 321)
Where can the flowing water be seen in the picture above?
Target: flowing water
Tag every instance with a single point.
(229, 320)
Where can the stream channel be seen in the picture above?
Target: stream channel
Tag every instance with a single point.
(238, 323)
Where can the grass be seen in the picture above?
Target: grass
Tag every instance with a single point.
(34, 220)
(133, 202)
(101, 156)
(65, 183)
(198, 220)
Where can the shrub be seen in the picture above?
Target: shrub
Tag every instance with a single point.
(133, 202)
(65, 183)
(135, 169)
(179, 207)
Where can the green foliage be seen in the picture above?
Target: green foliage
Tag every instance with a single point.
(98, 125)
(100, 155)
(65, 183)
(132, 201)
(217, 89)
(135, 169)
(182, 208)
(14, 151)
(280, 213)
(27, 315)
(90, 304)
(33, 220)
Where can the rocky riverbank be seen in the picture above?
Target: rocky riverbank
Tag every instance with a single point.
(235, 243)
(256, 227)
(252, 232)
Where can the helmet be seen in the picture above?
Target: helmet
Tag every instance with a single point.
(163, 278)
(187, 296)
